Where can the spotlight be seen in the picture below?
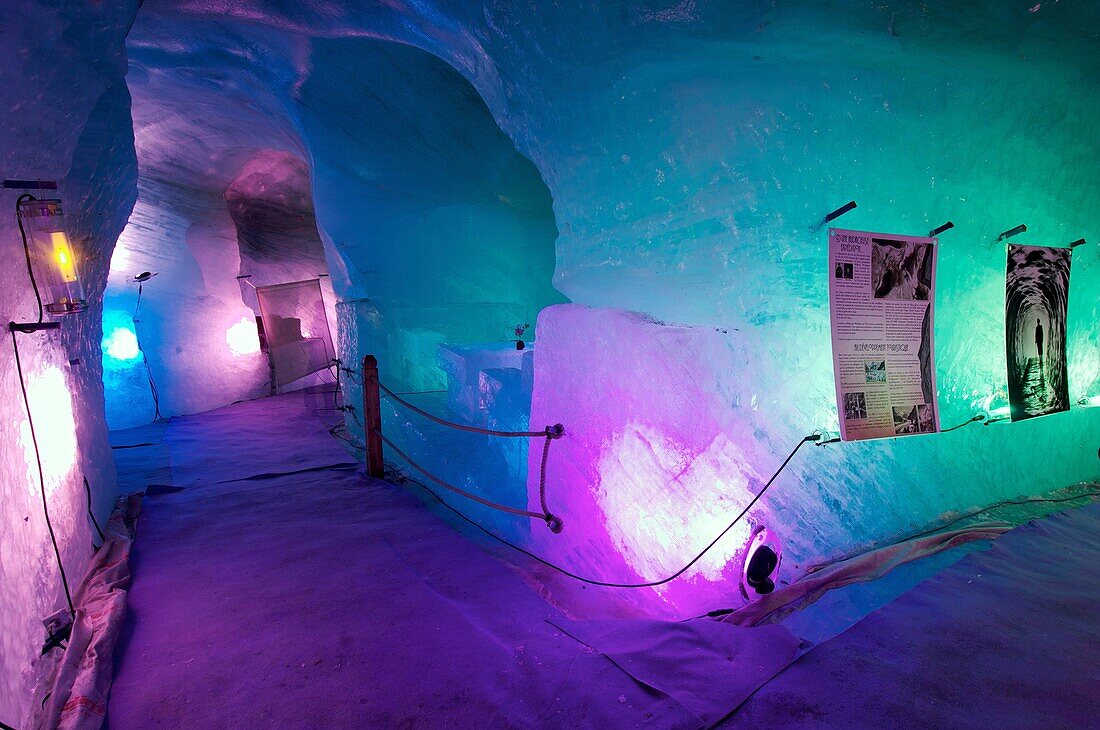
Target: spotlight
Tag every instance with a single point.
(48, 247)
(761, 565)
(144, 276)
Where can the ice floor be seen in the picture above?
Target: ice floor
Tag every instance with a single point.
(274, 585)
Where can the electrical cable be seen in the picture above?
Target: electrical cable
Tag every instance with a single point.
(606, 584)
(27, 251)
(152, 386)
(417, 392)
(974, 419)
(88, 491)
(41, 475)
(145, 359)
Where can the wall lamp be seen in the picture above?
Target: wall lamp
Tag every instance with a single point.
(51, 261)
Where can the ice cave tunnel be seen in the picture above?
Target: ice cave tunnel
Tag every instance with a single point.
(607, 363)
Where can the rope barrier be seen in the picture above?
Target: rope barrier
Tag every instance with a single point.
(550, 433)
(553, 522)
(646, 584)
(457, 490)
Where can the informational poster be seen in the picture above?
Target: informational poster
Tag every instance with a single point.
(881, 290)
(1036, 296)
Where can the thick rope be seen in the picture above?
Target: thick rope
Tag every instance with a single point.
(545, 516)
(550, 432)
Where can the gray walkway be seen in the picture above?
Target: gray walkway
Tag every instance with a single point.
(1008, 637)
(275, 586)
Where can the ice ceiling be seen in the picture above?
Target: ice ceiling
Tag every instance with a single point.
(457, 167)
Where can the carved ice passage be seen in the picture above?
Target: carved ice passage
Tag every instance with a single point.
(636, 180)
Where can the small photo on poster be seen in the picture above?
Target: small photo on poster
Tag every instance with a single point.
(914, 419)
(1036, 299)
(855, 406)
(875, 372)
(844, 271)
(901, 269)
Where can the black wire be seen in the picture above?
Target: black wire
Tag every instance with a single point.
(414, 392)
(973, 419)
(605, 584)
(152, 386)
(88, 491)
(148, 370)
(41, 475)
(27, 251)
(335, 402)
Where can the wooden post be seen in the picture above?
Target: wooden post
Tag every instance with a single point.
(372, 416)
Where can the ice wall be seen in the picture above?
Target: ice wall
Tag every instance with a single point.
(206, 114)
(446, 231)
(689, 149)
(66, 118)
(716, 159)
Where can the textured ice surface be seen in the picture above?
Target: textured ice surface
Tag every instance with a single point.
(445, 231)
(689, 149)
(667, 439)
(66, 118)
(670, 157)
(217, 159)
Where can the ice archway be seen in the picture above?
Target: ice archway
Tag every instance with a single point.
(260, 155)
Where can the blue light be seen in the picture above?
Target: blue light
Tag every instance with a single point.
(121, 345)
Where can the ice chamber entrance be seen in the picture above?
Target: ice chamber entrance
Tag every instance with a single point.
(296, 332)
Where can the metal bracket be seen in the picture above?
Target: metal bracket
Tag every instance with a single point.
(937, 231)
(32, 327)
(1011, 232)
(851, 204)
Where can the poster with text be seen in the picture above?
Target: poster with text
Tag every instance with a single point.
(1036, 296)
(881, 290)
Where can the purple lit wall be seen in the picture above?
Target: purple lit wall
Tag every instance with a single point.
(66, 117)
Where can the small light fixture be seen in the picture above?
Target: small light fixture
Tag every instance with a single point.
(761, 564)
(54, 261)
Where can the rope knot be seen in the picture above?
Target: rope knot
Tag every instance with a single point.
(554, 523)
(555, 431)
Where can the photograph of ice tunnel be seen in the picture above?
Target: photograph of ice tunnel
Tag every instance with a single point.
(564, 364)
